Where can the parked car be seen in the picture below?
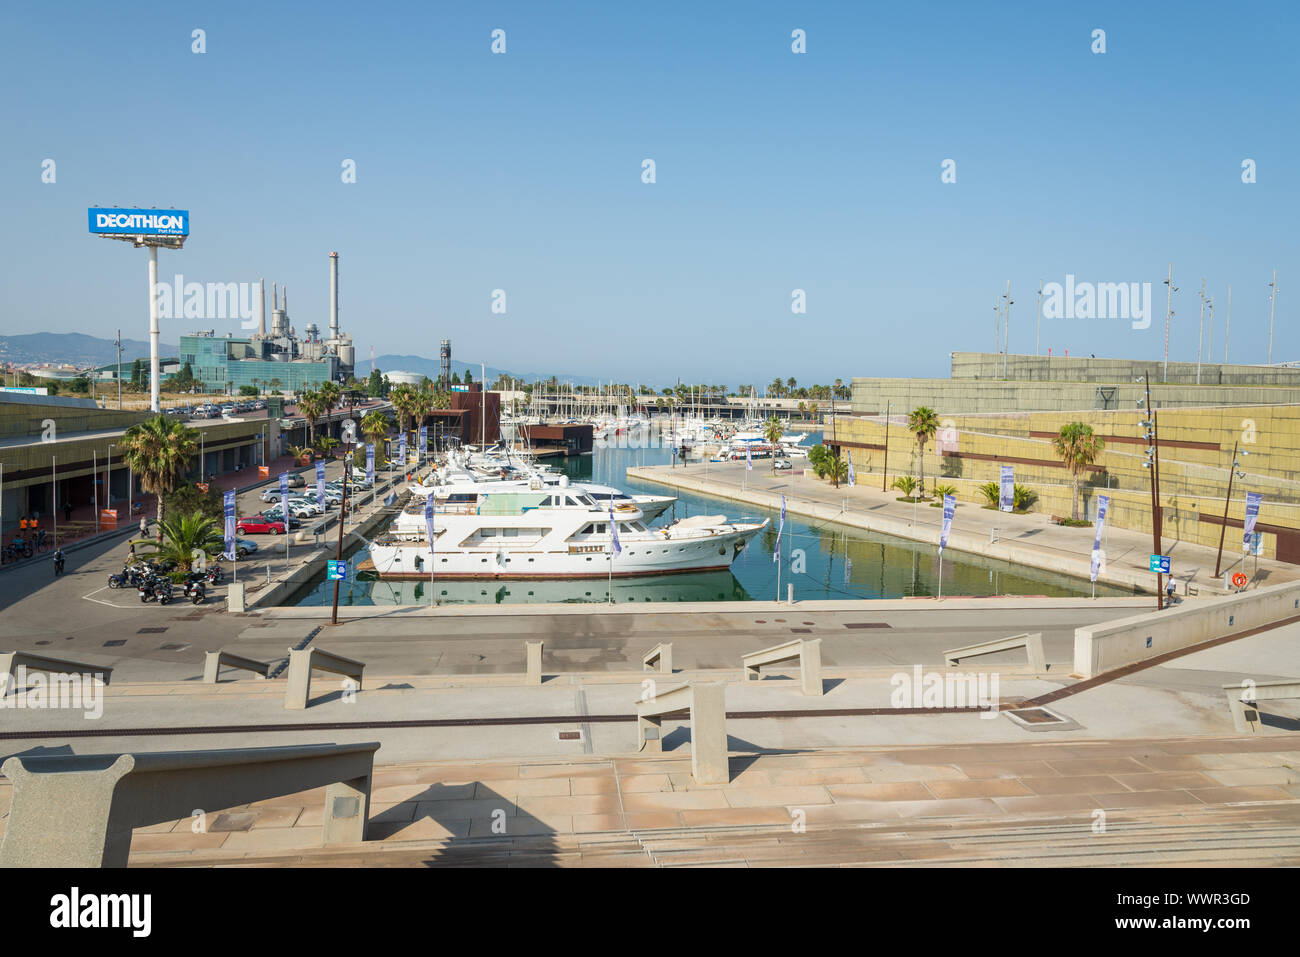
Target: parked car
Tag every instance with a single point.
(271, 493)
(245, 547)
(260, 525)
(276, 514)
(783, 465)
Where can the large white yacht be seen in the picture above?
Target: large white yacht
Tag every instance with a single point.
(503, 531)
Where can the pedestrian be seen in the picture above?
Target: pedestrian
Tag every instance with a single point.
(1170, 589)
(130, 554)
(58, 561)
(144, 525)
(22, 524)
(67, 510)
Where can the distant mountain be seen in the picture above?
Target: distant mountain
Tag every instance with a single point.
(72, 348)
(433, 368)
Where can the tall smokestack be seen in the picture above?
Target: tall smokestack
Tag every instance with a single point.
(275, 296)
(334, 295)
(261, 308)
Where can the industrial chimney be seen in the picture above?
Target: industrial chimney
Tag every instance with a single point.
(261, 308)
(334, 296)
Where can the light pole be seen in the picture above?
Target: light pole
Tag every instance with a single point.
(1227, 499)
(1200, 339)
(343, 512)
(1006, 339)
(1152, 462)
(1272, 304)
(1169, 315)
(1038, 334)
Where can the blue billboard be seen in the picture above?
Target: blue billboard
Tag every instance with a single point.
(116, 221)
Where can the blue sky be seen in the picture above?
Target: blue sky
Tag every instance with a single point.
(775, 172)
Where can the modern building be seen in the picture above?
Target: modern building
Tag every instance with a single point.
(227, 363)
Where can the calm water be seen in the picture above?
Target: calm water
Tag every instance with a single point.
(822, 560)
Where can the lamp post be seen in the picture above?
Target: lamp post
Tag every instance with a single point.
(1153, 463)
(343, 513)
(1226, 501)
(884, 478)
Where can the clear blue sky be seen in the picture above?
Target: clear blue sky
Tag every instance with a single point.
(775, 171)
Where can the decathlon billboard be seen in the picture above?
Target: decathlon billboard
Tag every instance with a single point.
(140, 222)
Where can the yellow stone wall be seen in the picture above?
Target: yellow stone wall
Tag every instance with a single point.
(1192, 480)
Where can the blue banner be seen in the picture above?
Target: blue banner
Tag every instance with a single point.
(228, 503)
(1253, 501)
(424, 440)
(428, 523)
(284, 496)
(320, 484)
(1007, 491)
(852, 477)
(139, 222)
(401, 450)
(370, 463)
(613, 531)
(1103, 503)
(949, 509)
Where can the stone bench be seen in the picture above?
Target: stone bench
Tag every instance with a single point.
(807, 652)
(1243, 700)
(213, 661)
(1033, 645)
(659, 658)
(80, 810)
(707, 707)
(11, 662)
(301, 664)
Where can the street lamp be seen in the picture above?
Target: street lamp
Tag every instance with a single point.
(1227, 499)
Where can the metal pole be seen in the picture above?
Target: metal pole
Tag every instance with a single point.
(884, 478)
(1155, 529)
(1006, 339)
(1169, 314)
(1272, 303)
(1227, 325)
(54, 496)
(1232, 470)
(1160, 512)
(1038, 335)
(1200, 338)
(153, 330)
(119, 370)
(94, 486)
(343, 511)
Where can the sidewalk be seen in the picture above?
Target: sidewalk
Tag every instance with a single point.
(1023, 539)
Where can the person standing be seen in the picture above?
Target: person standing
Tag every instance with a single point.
(144, 525)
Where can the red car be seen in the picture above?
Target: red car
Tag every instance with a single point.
(259, 525)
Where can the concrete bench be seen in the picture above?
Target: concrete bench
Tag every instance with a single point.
(80, 810)
(807, 652)
(1242, 700)
(1033, 645)
(11, 662)
(660, 655)
(213, 661)
(301, 664)
(533, 655)
(707, 706)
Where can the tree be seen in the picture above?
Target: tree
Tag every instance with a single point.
(312, 407)
(1078, 448)
(906, 484)
(772, 431)
(159, 451)
(188, 499)
(375, 384)
(468, 377)
(374, 426)
(923, 422)
(248, 390)
(184, 539)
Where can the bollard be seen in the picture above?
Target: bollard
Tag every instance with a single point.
(235, 597)
(790, 593)
(534, 656)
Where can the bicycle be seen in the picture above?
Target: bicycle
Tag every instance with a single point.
(42, 543)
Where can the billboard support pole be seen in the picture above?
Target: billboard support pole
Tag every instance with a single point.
(153, 330)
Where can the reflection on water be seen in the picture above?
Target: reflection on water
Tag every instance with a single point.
(820, 559)
(708, 586)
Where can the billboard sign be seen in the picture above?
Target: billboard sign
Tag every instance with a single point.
(113, 221)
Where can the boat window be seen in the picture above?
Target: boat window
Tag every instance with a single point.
(487, 532)
(509, 533)
(585, 500)
(600, 528)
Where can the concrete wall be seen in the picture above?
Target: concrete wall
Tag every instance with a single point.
(989, 365)
(872, 396)
(1105, 647)
(1195, 454)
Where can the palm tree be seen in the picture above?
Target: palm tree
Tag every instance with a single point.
(312, 407)
(374, 426)
(1078, 448)
(159, 451)
(905, 484)
(183, 538)
(923, 422)
(421, 405)
(772, 431)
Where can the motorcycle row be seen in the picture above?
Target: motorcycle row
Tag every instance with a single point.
(152, 580)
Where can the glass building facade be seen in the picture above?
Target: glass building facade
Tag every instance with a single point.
(227, 364)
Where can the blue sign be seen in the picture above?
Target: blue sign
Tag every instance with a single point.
(320, 484)
(113, 221)
(1253, 501)
(284, 495)
(370, 463)
(1007, 488)
(949, 510)
(424, 440)
(1160, 564)
(336, 570)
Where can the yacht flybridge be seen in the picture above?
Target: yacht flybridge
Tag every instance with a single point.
(521, 530)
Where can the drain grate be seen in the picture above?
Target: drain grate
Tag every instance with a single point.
(115, 643)
(1037, 716)
(569, 735)
(172, 647)
(152, 631)
(802, 631)
(866, 624)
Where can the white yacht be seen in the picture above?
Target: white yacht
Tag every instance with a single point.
(499, 532)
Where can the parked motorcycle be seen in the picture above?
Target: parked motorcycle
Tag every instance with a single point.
(195, 589)
(216, 574)
(156, 588)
